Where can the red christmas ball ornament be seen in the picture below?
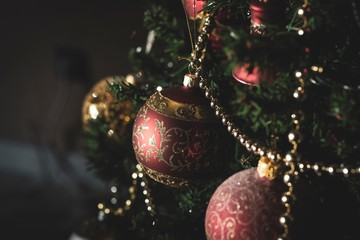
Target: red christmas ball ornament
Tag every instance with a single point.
(226, 17)
(265, 12)
(176, 137)
(243, 73)
(245, 206)
(223, 17)
(215, 41)
(193, 7)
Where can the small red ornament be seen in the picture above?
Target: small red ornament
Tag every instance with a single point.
(176, 137)
(215, 41)
(242, 73)
(266, 12)
(193, 7)
(245, 206)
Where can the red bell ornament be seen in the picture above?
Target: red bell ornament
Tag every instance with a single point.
(176, 137)
(193, 8)
(242, 73)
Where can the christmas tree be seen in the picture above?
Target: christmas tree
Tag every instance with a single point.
(238, 120)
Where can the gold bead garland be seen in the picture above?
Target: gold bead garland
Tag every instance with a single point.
(319, 169)
(269, 158)
(291, 176)
(250, 145)
(114, 209)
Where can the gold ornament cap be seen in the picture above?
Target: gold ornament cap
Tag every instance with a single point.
(268, 168)
(190, 80)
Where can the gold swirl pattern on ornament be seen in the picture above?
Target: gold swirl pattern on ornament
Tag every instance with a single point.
(186, 154)
(182, 111)
(235, 209)
(166, 179)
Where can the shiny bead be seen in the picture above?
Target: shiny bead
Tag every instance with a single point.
(261, 152)
(207, 22)
(288, 179)
(301, 166)
(247, 144)
(291, 136)
(270, 155)
(285, 219)
(287, 198)
(294, 136)
(253, 148)
(213, 102)
(198, 73)
(229, 126)
(208, 93)
(315, 167)
(235, 132)
(205, 29)
(199, 46)
(200, 39)
(298, 74)
(288, 157)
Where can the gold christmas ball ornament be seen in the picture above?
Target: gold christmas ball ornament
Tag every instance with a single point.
(101, 105)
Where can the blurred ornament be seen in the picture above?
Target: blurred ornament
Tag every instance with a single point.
(176, 137)
(193, 8)
(92, 229)
(215, 40)
(223, 17)
(245, 206)
(243, 73)
(99, 103)
(265, 12)
(227, 17)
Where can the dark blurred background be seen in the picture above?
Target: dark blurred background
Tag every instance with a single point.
(51, 53)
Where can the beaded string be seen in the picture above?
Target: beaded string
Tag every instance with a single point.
(116, 210)
(292, 173)
(204, 84)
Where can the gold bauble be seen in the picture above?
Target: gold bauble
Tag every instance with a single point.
(101, 105)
